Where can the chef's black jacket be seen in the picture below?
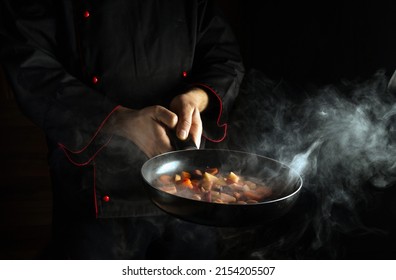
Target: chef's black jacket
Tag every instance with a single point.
(71, 64)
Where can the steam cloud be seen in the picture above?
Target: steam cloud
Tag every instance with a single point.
(340, 138)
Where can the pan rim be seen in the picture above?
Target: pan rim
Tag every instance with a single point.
(299, 179)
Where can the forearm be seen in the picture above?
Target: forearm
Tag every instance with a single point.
(199, 97)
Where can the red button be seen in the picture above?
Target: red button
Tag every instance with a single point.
(86, 14)
(106, 198)
(184, 74)
(95, 80)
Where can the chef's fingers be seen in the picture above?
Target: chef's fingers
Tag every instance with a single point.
(165, 116)
(184, 123)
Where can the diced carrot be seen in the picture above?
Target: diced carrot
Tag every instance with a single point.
(186, 183)
(185, 174)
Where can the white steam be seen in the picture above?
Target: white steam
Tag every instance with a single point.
(349, 125)
(341, 138)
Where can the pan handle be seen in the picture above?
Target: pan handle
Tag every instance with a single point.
(179, 144)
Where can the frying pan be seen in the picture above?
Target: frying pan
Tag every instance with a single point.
(284, 181)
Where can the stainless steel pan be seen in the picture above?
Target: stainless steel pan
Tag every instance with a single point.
(284, 181)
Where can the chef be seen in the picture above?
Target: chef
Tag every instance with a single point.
(110, 82)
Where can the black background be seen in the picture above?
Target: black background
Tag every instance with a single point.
(317, 42)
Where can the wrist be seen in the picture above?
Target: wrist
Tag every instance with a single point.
(200, 97)
(118, 120)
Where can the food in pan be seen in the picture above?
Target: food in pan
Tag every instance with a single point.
(211, 185)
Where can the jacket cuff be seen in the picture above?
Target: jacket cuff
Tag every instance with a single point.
(214, 129)
(96, 143)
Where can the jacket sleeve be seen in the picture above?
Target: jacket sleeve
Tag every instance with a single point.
(217, 68)
(70, 112)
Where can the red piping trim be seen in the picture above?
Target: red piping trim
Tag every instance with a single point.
(94, 190)
(90, 159)
(224, 125)
(66, 150)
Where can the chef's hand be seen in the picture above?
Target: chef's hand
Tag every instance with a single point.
(146, 128)
(188, 107)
